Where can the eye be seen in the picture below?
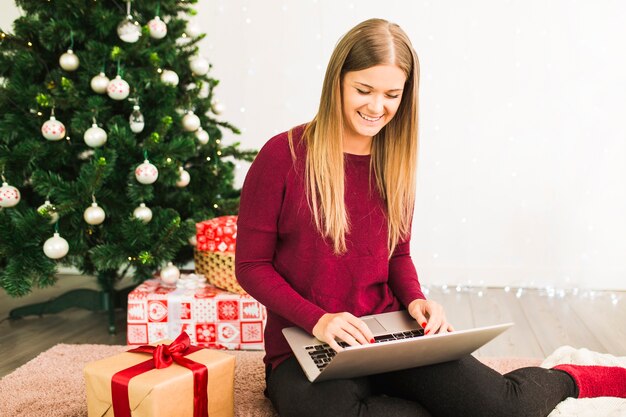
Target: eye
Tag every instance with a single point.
(393, 96)
(362, 91)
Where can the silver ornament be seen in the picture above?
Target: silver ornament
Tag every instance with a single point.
(9, 195)
(191, 122)
(202, 136)
(146, 173)
(193, 30)
(95, 136)
(47, 209)
(99, 83)
(94, 215)
(157, 27)
(217, 107)
(136, 120)
(118, 89)
(183, 178)
(199, 65)
(169, 77)
(56, 247)
(170, 274)
(143, 213)
(69, 61)
(53, 129)
(129, 30)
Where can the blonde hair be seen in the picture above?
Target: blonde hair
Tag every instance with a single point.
(394, 148)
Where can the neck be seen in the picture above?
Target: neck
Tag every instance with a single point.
(357, 145)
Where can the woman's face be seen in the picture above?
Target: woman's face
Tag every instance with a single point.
(370, 99)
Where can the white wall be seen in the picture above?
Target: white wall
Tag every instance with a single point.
(522, 177)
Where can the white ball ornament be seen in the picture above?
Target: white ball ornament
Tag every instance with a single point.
(183, 178)
(94, 215)
(53, 129)
(99, 83)
(56, 247)
(170, 274)
(202, 136)
(191, 122)
(193, 240)
(199, 65)
(129, 30)
(193, 30)
(9, 195)
(143, 213)
(217, 107)
(157, 27)
(136, 120)
(95, 136)
(146, 173)
(118, 89)
(69, 61)
(169, 77)
(47, 209)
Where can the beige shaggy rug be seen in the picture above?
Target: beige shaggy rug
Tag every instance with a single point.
(52, 385)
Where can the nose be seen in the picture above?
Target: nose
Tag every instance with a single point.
(376, 105)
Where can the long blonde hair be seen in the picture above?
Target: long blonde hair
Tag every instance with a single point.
(394, 148)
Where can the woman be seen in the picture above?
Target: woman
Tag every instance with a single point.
(323, 238)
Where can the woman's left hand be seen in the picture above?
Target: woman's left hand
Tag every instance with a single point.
(430, 315)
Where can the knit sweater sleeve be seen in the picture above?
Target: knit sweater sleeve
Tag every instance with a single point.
(403, 279)
(262, 198)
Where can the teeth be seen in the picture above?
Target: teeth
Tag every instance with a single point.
(369, 119)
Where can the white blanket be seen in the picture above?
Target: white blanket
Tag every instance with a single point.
(587, 407)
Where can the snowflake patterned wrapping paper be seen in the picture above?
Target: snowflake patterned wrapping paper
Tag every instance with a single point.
(214, 254)
(217, 235)
(212, 317)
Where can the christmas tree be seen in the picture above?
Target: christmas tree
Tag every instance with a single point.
(110, 140)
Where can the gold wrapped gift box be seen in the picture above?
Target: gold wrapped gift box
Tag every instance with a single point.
(163, 392)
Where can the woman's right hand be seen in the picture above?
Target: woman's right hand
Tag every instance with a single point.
(343, 326)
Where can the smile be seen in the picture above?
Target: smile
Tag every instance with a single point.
(370, 119)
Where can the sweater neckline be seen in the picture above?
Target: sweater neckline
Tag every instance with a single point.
(356, 158)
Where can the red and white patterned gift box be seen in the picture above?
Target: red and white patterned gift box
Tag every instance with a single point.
(212, 317)
(217, 235)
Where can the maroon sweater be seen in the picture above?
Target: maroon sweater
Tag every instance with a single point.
(283, 262)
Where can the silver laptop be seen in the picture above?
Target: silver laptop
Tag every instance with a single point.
(400, 344)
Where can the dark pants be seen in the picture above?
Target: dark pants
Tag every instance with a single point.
(459, 388)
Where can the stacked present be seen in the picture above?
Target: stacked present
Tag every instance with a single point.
(212, 317)
(215, 315)
(214, 255)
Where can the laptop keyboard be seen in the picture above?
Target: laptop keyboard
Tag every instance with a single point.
(322, 354)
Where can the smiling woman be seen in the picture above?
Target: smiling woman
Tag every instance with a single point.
(324, 238)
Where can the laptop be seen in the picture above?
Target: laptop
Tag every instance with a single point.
(400, 344)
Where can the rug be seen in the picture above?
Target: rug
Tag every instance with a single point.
(52, 385)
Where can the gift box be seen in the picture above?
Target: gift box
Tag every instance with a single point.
(214, 254)
(175, 379)
(212, 317)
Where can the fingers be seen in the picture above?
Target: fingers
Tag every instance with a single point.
(343, 326)
(436, 321)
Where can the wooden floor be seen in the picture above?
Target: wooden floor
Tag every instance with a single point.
(542, 323)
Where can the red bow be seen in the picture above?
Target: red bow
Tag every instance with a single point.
(162, 357)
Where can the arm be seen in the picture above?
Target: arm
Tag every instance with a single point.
(403, 279)
(405, 285)
(257, 233)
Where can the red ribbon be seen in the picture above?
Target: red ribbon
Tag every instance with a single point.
(162, 357)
